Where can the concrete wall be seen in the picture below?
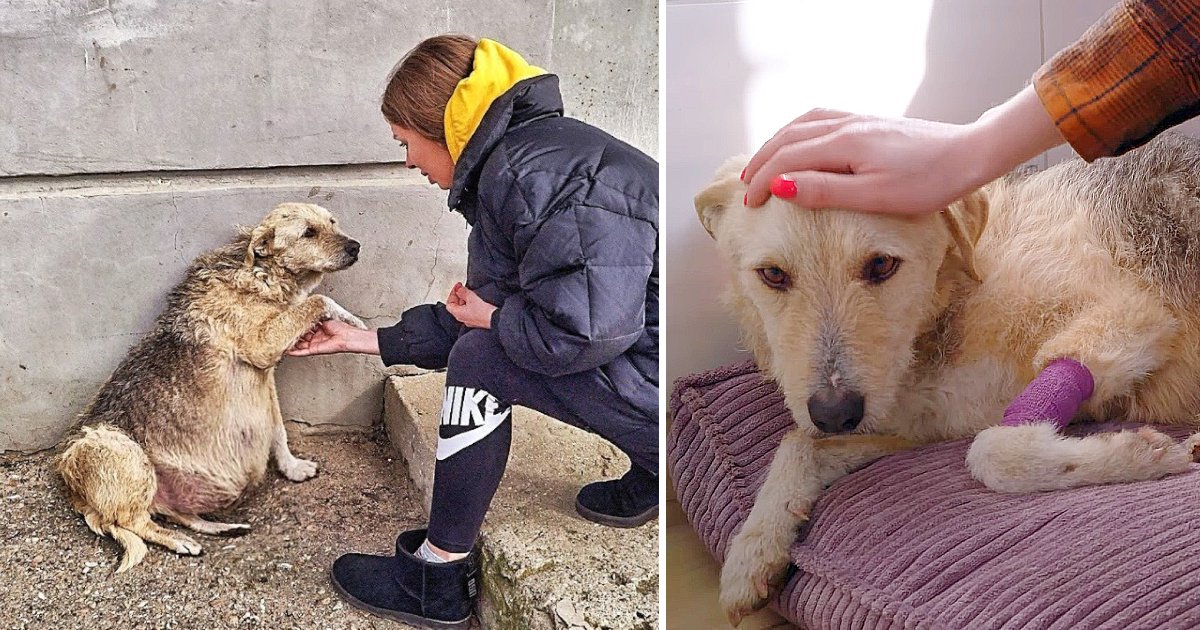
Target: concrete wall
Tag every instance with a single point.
(134, 135)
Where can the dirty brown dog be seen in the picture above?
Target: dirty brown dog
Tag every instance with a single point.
(887, 331)
(189, 418)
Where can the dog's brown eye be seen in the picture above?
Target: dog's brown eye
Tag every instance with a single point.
(880, 268)
(310, 232)
(774, 277)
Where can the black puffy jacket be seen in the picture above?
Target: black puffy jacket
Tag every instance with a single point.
(564, 239)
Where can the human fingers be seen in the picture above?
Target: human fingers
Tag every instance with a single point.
(798, 130)
(830, 153)
(821, 189)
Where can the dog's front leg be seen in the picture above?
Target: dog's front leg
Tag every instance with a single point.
(263, 345)
(1103, 354)
(801, 469)
(333, 310)
(292, 467)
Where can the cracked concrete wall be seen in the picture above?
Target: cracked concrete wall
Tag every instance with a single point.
(174, 121)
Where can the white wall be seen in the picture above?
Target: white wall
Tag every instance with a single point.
(737, 71)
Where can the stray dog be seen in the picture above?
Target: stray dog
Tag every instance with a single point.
(188, 419)
(887, 331)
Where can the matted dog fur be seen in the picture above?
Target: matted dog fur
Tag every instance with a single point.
(928, 326)
(187, 421)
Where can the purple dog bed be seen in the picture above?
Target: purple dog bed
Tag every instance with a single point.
(912, 541)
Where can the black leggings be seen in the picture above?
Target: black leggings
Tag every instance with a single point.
(482, 384)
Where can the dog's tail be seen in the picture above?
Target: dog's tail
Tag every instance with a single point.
(135, 547)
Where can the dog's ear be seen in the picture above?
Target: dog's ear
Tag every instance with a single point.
(261, 243)
(966, 219)
(722, 193)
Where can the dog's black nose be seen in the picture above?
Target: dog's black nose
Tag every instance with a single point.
(836, 409)
(352, 247)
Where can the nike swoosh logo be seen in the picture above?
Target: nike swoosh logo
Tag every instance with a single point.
(451, 445)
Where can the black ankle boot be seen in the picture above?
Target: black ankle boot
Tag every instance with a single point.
(408, 589)
(626, 502)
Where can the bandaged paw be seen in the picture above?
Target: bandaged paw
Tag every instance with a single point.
(1034, 457)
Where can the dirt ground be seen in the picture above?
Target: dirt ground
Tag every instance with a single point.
(58, 574)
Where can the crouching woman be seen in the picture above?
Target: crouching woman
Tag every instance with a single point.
(559, 312)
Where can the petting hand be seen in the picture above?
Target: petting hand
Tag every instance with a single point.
(830, 159)
(332, 336)
(468, 308)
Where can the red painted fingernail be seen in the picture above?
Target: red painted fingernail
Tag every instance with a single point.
(746, 199)
(743, 176)
(783, 188)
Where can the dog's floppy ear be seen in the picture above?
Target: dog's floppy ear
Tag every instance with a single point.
(966, 219)
(261, 239)
(723, 192)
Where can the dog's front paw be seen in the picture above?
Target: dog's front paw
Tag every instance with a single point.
(298, 469)
(1034, 457)
(185, 546)
(755, 563)
(333, 310)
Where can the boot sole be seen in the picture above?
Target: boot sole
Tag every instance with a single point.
(617, 521)
(396, 615)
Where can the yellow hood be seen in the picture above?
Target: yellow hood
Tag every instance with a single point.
(495, 70)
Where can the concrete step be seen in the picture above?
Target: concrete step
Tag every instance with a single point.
(543, 566)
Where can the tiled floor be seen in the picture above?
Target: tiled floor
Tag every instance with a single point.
(692, 577)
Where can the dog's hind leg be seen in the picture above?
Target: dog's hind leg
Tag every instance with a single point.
(109, 480)
(800, 470)
(196, 523)
(155, 533)
(1120, 343)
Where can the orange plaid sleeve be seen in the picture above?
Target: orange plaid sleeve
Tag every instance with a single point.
(1133, 74)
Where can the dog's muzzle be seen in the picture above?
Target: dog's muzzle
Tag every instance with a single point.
(350, 250)
(836, 409)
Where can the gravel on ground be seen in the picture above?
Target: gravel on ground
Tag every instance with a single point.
(57, 574)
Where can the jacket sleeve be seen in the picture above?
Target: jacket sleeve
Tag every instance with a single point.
(423, 337)
(1133, 74)
(583, 273)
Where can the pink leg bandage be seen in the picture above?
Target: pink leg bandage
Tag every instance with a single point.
(1054, 396)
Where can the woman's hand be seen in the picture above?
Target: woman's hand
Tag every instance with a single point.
(468, 308)
(332, 336)
(830, 159)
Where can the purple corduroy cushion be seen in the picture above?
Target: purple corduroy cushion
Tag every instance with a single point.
(912, 541)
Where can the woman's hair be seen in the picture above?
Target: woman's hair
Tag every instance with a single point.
(423, 81)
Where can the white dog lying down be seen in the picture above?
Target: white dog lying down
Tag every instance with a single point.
(886, 331)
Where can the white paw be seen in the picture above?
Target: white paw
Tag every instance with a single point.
(757, 559)
(333, 310)
(298, 470)
(185, 546)
(1034, 457)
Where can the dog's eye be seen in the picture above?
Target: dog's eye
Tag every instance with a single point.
(775, 278)
(310, 232)
(879, 268)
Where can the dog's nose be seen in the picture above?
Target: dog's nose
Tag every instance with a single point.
(352, 247)
(836, 409)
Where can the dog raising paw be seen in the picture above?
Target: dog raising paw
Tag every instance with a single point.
(1034, 457)
(333, 310)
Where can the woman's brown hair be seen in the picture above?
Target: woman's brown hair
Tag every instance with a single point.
(423, 81)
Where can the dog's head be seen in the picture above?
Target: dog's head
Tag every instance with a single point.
(301, 238)
(832, 302)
